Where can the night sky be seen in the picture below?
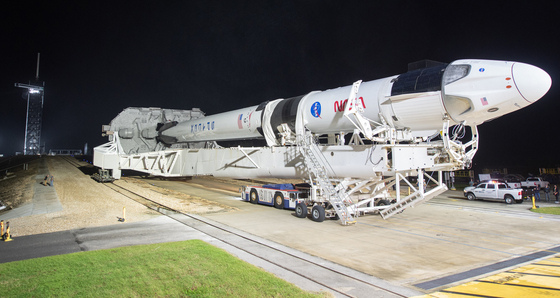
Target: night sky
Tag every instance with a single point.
(98, 58)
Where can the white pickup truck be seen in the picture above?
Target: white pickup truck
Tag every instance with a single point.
(493, 190)
(532, 183)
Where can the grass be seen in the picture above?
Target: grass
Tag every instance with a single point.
(547, 210)
(178, 269)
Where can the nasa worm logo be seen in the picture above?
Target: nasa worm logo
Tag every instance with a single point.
(316, 109)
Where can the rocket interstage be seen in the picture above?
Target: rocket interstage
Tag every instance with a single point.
(415, 103)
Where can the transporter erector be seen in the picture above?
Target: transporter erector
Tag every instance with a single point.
(352, 144)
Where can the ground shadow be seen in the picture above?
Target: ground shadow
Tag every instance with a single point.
(88, 170)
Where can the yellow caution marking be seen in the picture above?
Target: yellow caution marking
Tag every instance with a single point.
(549, 265)
(541, 279)
(490, 289)
(526, 280)
(441, 295)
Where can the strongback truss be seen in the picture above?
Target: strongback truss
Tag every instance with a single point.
(366, 174)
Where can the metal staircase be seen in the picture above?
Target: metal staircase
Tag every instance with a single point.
(411, 200)
(316, 165)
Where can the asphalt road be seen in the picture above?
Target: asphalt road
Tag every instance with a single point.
(157, 230)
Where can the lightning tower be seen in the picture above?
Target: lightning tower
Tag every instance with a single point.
(35, 98)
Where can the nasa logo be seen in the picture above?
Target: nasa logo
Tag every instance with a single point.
(316, 109)
(481, 69)
(202, 127)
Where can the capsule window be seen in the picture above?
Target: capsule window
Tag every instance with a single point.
(419, 80)
(454, 73)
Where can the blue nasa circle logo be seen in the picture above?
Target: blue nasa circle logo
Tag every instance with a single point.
(481, 70)
(316, 109)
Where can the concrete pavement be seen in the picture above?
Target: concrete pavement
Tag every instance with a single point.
(45, 199)
(430, 247)
(446, 236)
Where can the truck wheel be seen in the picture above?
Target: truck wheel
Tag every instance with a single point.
(301, 210)
(279, 200)
(383, 203)
(254, 196)
(518, 201)
(508, 199)
(471, 196)
(335, 216)
(318, 213)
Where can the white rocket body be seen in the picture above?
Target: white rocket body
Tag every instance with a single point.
(464, 91)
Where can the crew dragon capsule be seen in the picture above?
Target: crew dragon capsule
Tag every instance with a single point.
(415, 104)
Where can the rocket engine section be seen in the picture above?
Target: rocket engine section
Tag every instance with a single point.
(410, 106)
(137, 128)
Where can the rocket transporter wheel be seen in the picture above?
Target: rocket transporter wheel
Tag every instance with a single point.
(383, 203)
(318, 213)
(301, 210)
(279, 200)
(331, 210)
(254, 196)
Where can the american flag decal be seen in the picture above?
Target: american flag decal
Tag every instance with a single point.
(239, 122)
(484, 101)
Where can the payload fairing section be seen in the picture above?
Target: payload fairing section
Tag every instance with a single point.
(398, 126)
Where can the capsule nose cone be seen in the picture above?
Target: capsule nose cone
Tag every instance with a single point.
(531, 81)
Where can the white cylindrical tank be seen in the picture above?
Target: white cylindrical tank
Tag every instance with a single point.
(323, 111)
(233, 125)
(474, 91)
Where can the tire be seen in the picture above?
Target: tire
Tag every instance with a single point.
(279, 200)
(508, 199)
(301, 210)
(518, 201)
(471, 196)
(253, 196)
(383, 203)
(331, 208)
(318, 213)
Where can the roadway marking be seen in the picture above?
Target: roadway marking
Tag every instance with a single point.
(541, 279)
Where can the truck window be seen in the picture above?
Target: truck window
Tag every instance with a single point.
(491, 186)
(481, 186)
(501, 186)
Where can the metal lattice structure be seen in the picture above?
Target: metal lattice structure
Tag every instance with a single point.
(33, 124)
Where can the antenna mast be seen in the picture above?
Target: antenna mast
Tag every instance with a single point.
(37, 75)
